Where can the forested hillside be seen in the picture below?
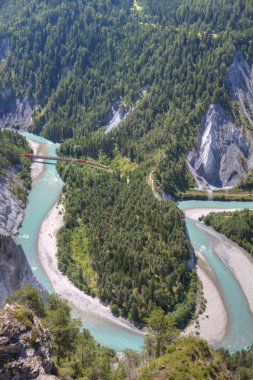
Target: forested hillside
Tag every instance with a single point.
(46, 330)
(75, 59)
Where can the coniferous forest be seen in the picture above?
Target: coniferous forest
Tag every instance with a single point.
(77, 62)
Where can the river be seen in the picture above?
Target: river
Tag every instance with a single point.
(45, 193)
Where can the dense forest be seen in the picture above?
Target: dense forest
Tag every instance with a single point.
(165, 62)
(11, 145)
(132, 249)
(75, 59)
(237, 226)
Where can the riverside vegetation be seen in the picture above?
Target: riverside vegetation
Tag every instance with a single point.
(237, 226)
(76, 355)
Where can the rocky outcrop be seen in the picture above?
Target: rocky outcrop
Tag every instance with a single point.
(11, 208)
(116, 117)
(17, 113)
(4, 47)
(240, 79)
(24, 345)
(224, 153)
(15, 271)
(223, 150)
(119, 113)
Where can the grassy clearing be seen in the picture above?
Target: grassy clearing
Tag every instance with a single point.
(74, 259)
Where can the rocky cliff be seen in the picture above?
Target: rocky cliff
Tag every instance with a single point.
(4, 47)
(11, 208)
(17, 113)
(15, 271)
(240, 79)
(24, 345)
(224, 152)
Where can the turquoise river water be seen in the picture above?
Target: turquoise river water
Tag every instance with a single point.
(43, 196)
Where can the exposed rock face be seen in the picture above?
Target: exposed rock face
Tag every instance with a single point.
(241, 82)
(4, 49)
(223, 150)
(11, 208)
(15, 271)
(224, 153)
(24, 345)
(116, 117)
(17, 113)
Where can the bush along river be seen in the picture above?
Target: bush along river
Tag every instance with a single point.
(46, 192)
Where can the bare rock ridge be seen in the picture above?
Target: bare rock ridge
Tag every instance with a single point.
(116, 117)
(241, 81)
(24, 345)
(14, 267)
(224, 151)
(15, 271)
(11, 208)
(17, 113)
(4, 47)
(119, 114)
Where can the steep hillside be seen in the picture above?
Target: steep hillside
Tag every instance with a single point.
(187, 359)
(224, 154)
(24, 344)
(33, 347)
(15, 180)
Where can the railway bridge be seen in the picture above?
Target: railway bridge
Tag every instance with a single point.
(69, 159)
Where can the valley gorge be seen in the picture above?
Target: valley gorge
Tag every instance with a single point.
(112, 274)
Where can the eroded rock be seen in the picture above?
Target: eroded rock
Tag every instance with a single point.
(24, 345)
(17, 113)
(15, 271)
(224, 153)
(223, 150)
(11, 208)
(241, 82)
